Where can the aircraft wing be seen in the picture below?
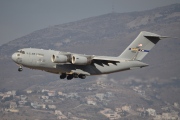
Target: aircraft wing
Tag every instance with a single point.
(100, 60)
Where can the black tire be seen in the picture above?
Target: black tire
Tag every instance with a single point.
(82, 76)
(69, 77)
(62, 76)
(20, 69)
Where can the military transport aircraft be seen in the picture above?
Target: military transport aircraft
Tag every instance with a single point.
(72, 65)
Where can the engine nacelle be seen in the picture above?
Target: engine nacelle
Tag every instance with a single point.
(59, 58)
(80, 60)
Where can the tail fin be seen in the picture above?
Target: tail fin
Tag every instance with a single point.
(140, 47)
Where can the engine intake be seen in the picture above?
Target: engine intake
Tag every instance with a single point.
(80, 60)
(59, 59)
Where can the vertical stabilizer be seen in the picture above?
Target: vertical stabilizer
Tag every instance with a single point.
(140, 47)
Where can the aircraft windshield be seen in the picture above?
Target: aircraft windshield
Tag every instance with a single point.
(20, 51)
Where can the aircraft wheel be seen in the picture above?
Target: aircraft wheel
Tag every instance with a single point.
(75, 75)
(69, 77)
(20, 69)
(62, 76)
(82, 76)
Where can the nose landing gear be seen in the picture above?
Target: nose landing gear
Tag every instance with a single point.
(20, 69)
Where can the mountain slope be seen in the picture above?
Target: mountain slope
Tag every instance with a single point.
(110, 34)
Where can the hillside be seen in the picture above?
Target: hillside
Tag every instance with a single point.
(107, 34)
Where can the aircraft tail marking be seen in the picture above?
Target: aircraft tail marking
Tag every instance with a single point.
(141, 46)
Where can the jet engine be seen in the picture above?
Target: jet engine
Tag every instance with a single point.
(59, 58)
(80, 60)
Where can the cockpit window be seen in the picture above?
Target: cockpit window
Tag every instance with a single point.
(20, 51)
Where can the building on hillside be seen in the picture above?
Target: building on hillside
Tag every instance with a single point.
(9, 93)
(22, 102)
(44, 90)
(44, 97)
(167, 116)
(118, 110)
(110, 114)
(72, 95)
(51, 93)
(151, 112)
(140, 109)
(60, 93)
(57, 112)
(91, 102)
(76, 118)
(28, 91)
(109, 94)
(12, 110)
(13, 105)
(61, 117)
(13, 92)
(51, 106)
(48, 101)
(165, 109)
(126, 108)
(1, 94)
(176, 105)
(23, 97)
(37, 105)
(100, 96)
(7, 97)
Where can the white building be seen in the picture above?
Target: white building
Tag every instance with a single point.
(91, 102)
(118, 110)
(13, 105)
(60, 93)
(28, 91)
(110, 114)
(126, 108)
(100, 96)
(167, 116)
(23, 97)
(57, 112)
(176, 105)
(45, 97)
(44, 90)
(37, 105)
(151, 112)
(51, 106)
(13, 92)
(22, 102)
(51, 93)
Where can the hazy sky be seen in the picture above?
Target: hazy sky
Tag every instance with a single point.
(21, 17)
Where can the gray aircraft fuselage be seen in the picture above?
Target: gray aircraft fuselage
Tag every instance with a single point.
(41, 59)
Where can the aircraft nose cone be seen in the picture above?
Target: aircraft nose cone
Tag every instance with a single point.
(13, 57)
